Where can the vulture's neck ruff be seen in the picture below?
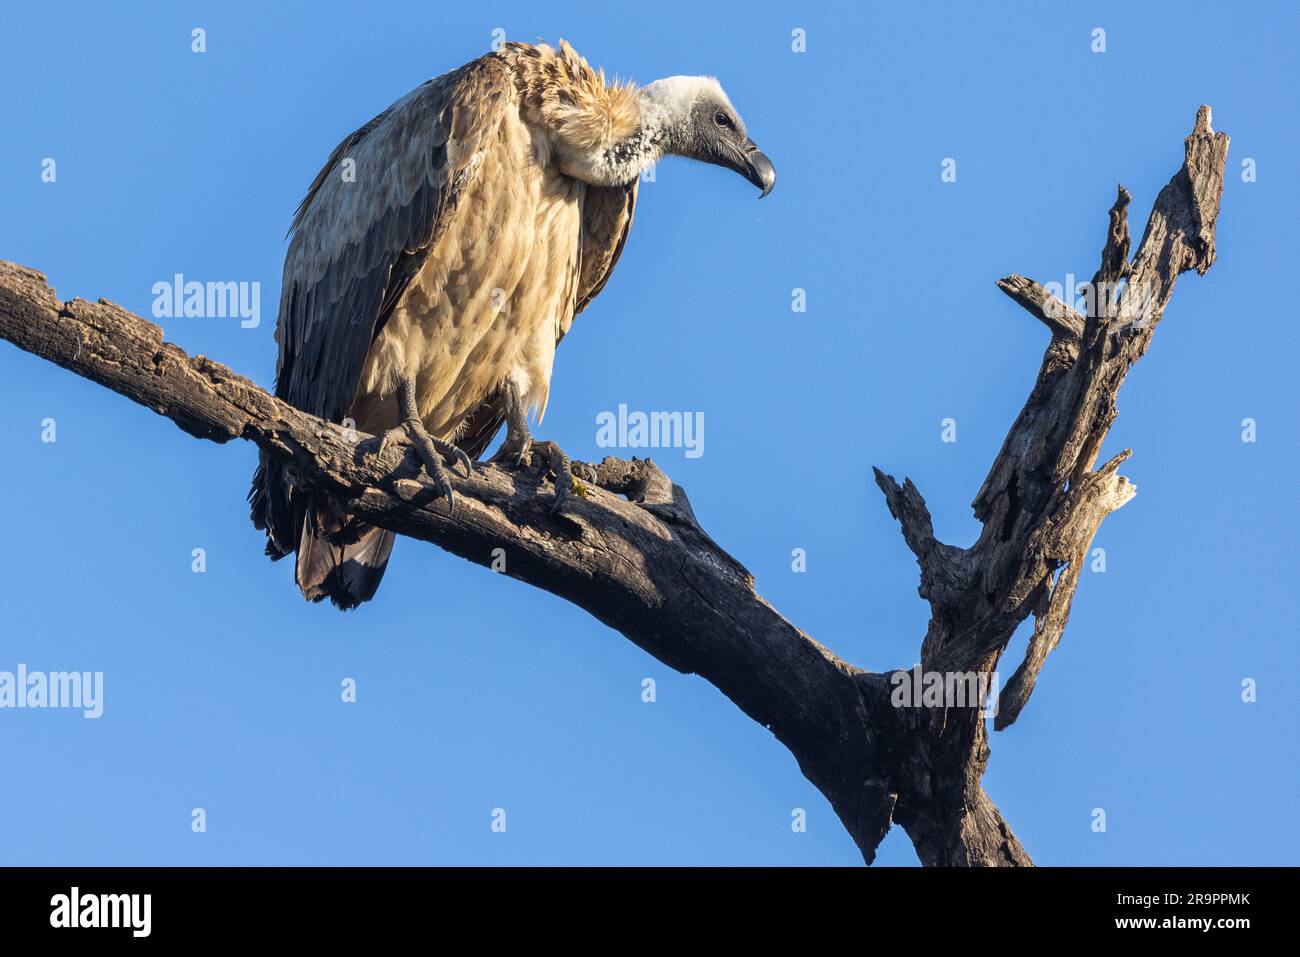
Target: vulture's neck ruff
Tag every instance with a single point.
(608, 134)
(667, 110)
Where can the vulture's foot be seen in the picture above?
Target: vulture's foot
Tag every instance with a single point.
(433, 452)
(520, 447)
(514, 450)
(565, 481)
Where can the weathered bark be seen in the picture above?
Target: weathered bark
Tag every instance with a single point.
(634, 555)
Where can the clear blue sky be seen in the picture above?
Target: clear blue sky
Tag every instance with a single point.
(476, 692)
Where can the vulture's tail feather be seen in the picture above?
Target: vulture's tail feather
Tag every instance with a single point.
(339, 557)
(274, 510)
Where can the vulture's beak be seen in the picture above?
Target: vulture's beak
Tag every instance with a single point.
(747, 160)
(758, 168)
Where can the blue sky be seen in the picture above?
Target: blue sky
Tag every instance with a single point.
(476, 692)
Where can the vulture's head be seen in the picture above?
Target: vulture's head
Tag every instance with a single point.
(691, 116)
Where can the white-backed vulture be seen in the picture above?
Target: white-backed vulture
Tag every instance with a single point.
(440, 256)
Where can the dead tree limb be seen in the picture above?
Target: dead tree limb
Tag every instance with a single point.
(634, 555)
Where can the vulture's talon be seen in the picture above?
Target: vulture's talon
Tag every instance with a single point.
(459, 456)
(434, 453)
(565, 483)
(520, 446)
(514, 451)
(388, 438)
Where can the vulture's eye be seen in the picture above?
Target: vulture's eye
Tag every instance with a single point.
(722, 119)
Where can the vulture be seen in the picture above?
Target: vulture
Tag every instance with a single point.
(440, 256)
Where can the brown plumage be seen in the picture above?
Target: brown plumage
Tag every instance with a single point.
(443, 252)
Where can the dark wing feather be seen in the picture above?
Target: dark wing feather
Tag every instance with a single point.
(606, 220)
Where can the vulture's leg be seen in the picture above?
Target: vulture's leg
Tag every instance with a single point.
(430, 450)
(519, 443)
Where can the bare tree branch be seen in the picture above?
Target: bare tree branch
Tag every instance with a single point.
(1063, 321)
(646, 569)
(634, 555)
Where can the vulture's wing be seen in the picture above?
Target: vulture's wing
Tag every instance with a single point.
(366, 227)
(606, 219)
